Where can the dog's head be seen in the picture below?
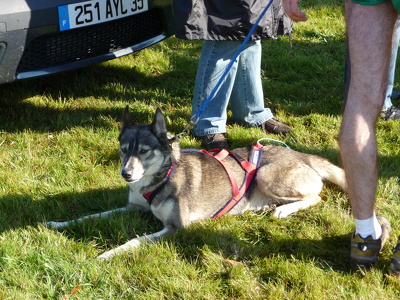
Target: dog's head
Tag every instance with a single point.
(144, 149)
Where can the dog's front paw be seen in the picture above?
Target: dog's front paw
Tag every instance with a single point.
(281, 212)
(106, 255)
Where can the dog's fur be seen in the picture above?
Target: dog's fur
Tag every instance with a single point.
(200, 186)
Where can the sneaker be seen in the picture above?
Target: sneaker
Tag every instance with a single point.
(214, 141)
(275, 126)
(394, 267)
(391, 113)
(364, 252)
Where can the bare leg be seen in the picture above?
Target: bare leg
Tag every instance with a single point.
(370, 30)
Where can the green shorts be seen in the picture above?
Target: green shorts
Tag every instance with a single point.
(396, 3)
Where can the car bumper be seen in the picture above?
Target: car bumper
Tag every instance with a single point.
(32, 45)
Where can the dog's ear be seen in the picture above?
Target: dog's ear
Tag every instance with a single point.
(126, 118)
(158, 126)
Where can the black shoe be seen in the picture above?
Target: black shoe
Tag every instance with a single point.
(214, 141)
(395, 94)
(392, 113)
(394, 267)
(275, 126)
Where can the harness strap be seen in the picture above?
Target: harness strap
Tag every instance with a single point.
(249, 166)
(220, 155)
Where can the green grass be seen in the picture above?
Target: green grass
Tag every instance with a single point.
(59, 160)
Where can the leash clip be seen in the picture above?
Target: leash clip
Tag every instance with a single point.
(186, 130)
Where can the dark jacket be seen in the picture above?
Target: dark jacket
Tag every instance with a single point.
(228, 20)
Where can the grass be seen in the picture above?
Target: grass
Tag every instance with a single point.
(59, 158)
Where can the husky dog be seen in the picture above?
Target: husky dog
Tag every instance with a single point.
(198, 185)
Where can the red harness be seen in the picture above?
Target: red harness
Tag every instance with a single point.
(249, 166)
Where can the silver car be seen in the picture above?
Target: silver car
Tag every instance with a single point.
(41, 37)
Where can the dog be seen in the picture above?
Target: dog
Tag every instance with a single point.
(285, 181)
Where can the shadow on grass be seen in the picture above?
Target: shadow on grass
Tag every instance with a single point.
(21, 210)
(329, 253)
(18, 114)
(283, 82)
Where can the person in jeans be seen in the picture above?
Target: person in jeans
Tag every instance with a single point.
(370, 30)
(389, 111)
(223, 25)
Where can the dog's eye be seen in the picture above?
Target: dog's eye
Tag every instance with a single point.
(124, 149)
(143, 151)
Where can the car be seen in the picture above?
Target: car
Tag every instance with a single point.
(42, 37)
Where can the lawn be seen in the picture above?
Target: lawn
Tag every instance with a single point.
(59, 160)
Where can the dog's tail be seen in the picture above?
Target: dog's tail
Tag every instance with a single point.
(330, 172)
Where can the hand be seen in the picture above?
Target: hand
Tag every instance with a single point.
(291, 8)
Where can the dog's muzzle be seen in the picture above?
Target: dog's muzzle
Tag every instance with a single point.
(130, 175)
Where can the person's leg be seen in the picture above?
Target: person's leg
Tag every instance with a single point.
(389, 112)
(215, 57)
(247, 98)
(392, 66)
(369, 31)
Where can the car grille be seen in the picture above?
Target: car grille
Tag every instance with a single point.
(75, 45)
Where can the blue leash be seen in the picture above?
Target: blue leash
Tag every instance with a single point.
(195, 118)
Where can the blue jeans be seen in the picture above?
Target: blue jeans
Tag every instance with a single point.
(242, 87)
(392, 66)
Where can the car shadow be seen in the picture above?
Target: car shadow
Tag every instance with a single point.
(126, 84)
(19, 114)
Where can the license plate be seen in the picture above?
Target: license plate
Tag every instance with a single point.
(93, 12)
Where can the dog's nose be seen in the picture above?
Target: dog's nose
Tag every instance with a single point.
(126, 174)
